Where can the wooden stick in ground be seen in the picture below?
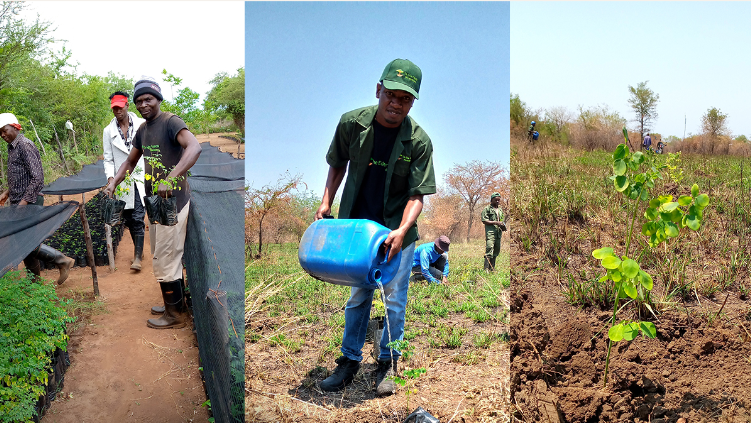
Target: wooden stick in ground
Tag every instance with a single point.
(37, 135)
(62, 156)
(89, 243)
(110, 250)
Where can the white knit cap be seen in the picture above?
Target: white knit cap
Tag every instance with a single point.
(7, 119)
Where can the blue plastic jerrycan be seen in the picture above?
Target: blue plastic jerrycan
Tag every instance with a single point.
(347, 252)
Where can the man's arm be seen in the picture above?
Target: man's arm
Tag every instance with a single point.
(409, 217)
(189, 143)
(128, 165)
(333, 180)
(425, 267)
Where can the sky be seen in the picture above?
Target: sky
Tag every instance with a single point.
(308, 63)
(693, 54)
(191, 40)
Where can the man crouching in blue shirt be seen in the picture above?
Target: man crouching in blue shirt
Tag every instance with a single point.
(431, 261)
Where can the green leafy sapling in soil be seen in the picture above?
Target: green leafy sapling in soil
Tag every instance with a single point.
(124, 186)
(411, 375)
(634, 176)
(159, 172)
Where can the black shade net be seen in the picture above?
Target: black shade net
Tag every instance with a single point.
(91, 177)
(214, 260)
(22, 229)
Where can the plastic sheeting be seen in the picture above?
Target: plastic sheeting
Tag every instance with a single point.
(22, 229)
(214, 260)
(212, 164)
(90, 178)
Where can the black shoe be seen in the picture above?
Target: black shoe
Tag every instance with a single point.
(384, 378)
(343, 375)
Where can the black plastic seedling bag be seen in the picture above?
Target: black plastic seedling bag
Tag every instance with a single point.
(161, 210)
(113, 211)
(421, 416)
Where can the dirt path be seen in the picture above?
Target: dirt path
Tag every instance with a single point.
(224, 144)
(122, 371)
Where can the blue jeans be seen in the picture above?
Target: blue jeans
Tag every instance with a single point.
(357, 312)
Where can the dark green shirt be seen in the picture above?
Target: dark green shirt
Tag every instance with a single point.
(489, 213)
(410, 168)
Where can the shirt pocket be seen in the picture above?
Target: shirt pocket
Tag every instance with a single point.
(400, 178)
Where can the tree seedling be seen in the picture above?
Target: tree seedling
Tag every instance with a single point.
(663, 220)
(410, 376)
(158, 171)
(124, 187)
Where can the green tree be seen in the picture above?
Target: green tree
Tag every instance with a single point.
(643, 102)
(714, 123)
(227, 95)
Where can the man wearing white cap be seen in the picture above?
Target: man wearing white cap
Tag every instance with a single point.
(25, 182)
(117, 141)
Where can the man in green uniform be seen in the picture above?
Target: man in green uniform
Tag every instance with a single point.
(492, 218)
(390, 161)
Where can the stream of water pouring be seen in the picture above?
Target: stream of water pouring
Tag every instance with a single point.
(386, 314)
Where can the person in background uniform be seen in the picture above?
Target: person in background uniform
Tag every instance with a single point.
(492, 218)
(390, 159)
(117, 141)
(26, 180)
(647, 142)
(431, 261)
(179, 151)
(531, 130)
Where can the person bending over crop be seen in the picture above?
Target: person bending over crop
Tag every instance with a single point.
(492, 218)
(178, 150)
(117, 141)
(431, 261)
(390, 161)
(25, 181)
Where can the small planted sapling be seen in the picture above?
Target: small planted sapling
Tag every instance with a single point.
(159, 173)
(411, 375)
(124, 187)
(634, 176)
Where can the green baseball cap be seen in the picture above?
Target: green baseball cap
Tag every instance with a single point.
(495, 194)
(401, 74)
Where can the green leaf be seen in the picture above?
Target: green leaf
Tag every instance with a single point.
(620, 152)
(629, 289)
(669, 207)
(646, 280)
(615, 275)
(619, 167)
(630, 268)
(650, 213)
(621, 183)
(630, 331)
(648, 329)
(644, 195)
(676, 216)
(638, 157)
(671, 229)
(602, 253)
(611, 262)
(655, 203)
(692, 221)
(616, 333)
(648, 229)
(685, 200)
(702, 200)
(640, 178)
(694, 190)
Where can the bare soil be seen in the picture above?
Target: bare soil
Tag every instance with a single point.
(227, 145)
(121, 370)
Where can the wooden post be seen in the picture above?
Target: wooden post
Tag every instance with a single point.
(89, 243)
(62, 156)
(37, 135)
(110, 250)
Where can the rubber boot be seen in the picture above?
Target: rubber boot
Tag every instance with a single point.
(137, 253)
(343, 375)
(159, 310)
(48, 254)
(486, 264)
(384, 378)
(172, 318)
(33, 266)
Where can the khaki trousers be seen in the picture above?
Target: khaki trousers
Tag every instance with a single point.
(167, 245)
